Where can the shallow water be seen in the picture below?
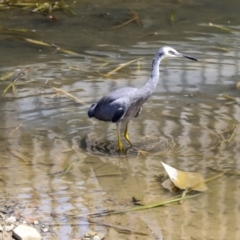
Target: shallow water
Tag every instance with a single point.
(55, 157)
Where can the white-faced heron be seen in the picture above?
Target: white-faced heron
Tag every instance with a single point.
(123, 104)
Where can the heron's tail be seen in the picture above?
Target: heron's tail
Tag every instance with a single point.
(91, 110)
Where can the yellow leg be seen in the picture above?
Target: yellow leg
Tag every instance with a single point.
(120, 146)
(126, 134)
(127, 138)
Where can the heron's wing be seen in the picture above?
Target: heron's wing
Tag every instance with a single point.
(138, 112)
(113, 105)
(118, 115)
(135, 107)
(105, 109)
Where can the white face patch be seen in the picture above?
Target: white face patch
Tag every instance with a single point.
(170, 52)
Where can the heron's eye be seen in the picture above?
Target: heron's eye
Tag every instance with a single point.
(171, 52)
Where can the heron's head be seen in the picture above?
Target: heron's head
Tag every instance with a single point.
(169, 52)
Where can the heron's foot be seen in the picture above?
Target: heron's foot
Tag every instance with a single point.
(138, 150)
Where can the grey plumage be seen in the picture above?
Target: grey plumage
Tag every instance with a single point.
(121, 104)
(124, 104)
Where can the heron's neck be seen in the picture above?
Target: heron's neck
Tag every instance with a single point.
(147, 89)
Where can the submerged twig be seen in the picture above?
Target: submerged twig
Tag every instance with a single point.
(110, 175)
(57, 48)
(88, 221)
(15, 129)
(7, 76)
(41, 43)
(235, 99)
(184, 193)
(36, 42)
(135, 18)
(122, 65)
(172, 16)
(103, 65)
(220, 47)
(77, 69)
(64, 50)
(22, 83)
(149, 206)
(45, 8)
(220, 27)
(233, 130)
(118, 228)
(68, 168)
(225, 172)
(20, 156)
(69, 95)
(19, 76)
(158, 204)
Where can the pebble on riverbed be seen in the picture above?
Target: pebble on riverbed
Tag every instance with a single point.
(11, 219)
(12, 227)
(91, 235)
(45, 229)
(9, 228)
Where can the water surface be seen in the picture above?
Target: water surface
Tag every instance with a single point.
(183, 124)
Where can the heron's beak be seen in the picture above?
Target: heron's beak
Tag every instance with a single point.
(188, 57)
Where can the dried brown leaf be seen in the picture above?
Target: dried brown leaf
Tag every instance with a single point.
(186, 180)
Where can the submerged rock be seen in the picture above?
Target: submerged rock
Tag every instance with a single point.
(25, 232)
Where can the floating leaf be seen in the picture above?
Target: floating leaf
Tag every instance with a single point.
(186, 180)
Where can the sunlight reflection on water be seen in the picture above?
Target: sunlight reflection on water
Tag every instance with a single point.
(65, 163)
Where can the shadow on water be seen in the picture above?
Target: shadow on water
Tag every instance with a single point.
(56, 158)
